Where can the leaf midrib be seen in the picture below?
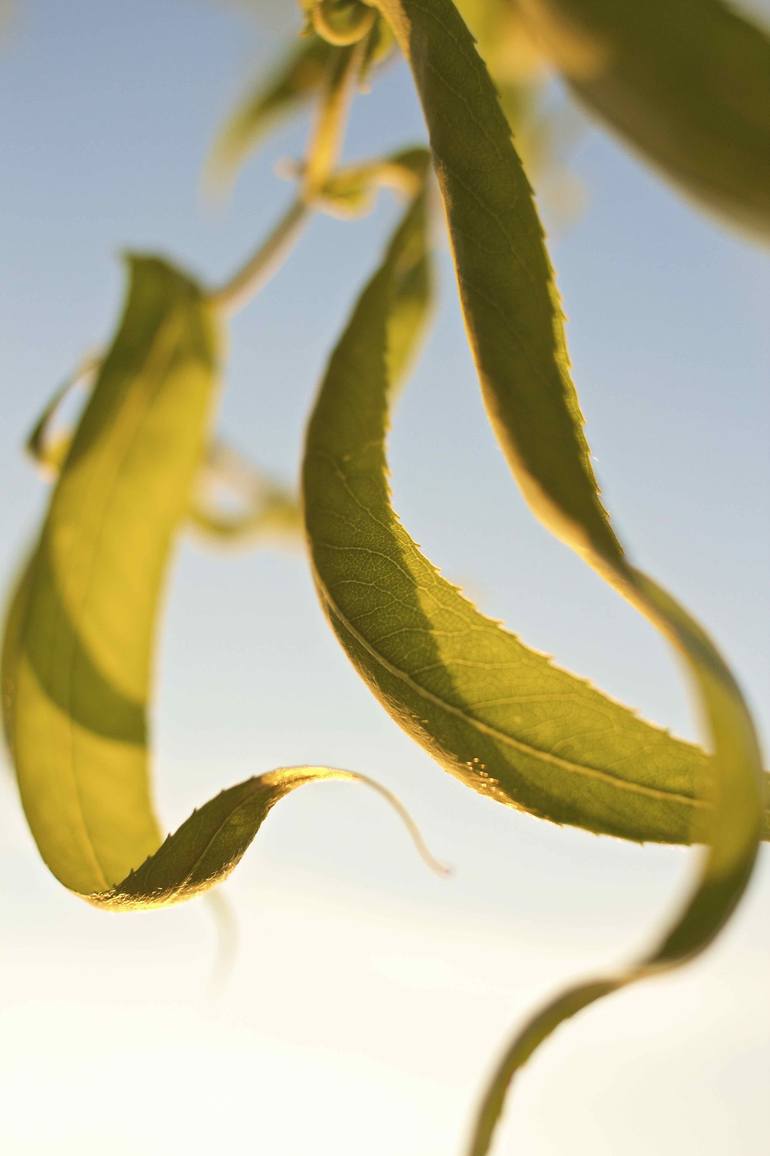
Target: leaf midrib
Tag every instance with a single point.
(528, 749)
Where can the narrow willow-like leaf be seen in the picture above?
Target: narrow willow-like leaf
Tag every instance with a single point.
(298, 79)
(79, 638)
(687, 84)
(75, 697)
(208, 845)
(515, 327)
(724, 870)
(494, 713)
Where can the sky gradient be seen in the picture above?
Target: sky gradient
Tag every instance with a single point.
(369, 998)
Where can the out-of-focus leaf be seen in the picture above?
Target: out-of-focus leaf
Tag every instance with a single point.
(300, 77)
(542, 127)
(515, 326)
(687, 84)
(47, 447)
(78, 647)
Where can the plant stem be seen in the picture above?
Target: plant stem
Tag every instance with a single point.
(322, 154)
(265, 261)
(332, 116)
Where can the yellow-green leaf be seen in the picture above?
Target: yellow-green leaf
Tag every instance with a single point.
(687, 84)
(79, 639)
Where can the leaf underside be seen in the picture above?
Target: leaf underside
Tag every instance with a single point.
(78, 645)
(496, 714)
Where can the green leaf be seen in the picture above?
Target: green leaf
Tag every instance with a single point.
(515, 327)
(494, 713)
(686, 84)
(79, 639)
(208, 845)
(75, 698)
(724, 870)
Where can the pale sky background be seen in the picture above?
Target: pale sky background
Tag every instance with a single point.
(369, 998)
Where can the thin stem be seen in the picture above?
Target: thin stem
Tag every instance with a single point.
(322, 154)
(329, 128)
(264, 262)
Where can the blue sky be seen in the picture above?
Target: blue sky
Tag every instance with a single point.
(108, 112)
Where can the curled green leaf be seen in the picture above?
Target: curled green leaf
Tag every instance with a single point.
(79, 639)
(515, 327)
(208, 845)
(493, 712)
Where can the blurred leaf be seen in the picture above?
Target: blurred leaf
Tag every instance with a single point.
(686, 84)
(78, 647)
(47, 447)
(544, 127)
(515, 326)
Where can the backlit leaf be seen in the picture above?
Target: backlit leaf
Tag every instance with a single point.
(515, 327)
(494, 713)
(79, 641)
